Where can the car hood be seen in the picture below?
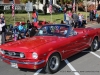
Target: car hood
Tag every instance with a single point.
(28, 43)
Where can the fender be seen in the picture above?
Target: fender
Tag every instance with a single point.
(53, 51)
(96, 35)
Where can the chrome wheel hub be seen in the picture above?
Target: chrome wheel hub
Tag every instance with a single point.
(95, 44)
(54, 62)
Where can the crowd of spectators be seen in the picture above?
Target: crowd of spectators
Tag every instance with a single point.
(21, 30)
(72, 18)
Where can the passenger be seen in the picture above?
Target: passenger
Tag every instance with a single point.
(72, 31)
(33, 31)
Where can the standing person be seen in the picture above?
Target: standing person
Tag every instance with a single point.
(68, 19)
(2, 17)
(94, 16)
(65, 10)
(66, 6)
(70, 13)
(98, 19)
(3, 28)
(2, 31)
(34, 15)
(91, 15)
(64, 14)
(75, 19)
(97, 15)
(80, 20)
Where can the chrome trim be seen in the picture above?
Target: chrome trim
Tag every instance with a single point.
(14, 61)
(13, 54)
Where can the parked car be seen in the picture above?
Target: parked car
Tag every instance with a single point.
(52, 44)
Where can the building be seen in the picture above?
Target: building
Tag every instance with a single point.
(41, 3)
(6, 4)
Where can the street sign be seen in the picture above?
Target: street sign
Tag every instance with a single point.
(29, 6)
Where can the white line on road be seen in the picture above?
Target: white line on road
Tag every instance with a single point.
(95, 54)
(71, 67)
(37, 72)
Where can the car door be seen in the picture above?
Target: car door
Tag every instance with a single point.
(71, 45)
(86, 39)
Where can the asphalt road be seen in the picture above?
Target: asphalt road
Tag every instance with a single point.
(83, 63)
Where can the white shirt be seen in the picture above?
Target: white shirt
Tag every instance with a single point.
(80, 18)
(67, 17)
(1, 25)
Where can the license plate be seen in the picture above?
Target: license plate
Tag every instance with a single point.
(14, 65)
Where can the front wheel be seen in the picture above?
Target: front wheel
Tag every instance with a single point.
(94, 45)
(53, 63)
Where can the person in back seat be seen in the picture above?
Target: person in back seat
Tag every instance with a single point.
(72, 31)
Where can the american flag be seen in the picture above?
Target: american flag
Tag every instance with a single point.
(73, 5)
(50, 7)
(13, 9)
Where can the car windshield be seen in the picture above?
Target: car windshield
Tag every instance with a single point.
(53, 30)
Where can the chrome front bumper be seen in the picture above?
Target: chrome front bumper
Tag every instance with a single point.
(18, 62)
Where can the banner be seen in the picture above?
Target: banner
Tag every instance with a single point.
(13, 9)
(50, 7)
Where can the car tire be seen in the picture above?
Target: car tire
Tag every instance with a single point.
(53, 63)
(94, 45)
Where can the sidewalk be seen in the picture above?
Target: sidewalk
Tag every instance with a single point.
(89, 24)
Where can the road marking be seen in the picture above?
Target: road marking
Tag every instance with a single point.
(95, 54)
(37, 72)
(71, 67)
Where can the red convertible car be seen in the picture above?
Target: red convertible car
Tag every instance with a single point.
(51, 45)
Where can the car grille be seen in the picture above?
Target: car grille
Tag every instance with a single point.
(10, 53)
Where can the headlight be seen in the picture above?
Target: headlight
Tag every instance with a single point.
(35, 55)
(22, 55)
